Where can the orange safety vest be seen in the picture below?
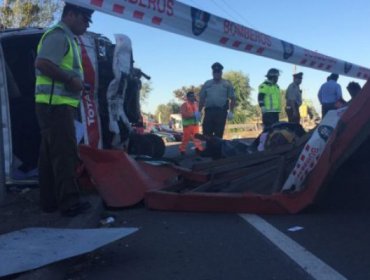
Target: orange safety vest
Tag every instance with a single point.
(187, 111)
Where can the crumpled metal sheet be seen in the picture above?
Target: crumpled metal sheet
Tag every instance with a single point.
(32, 248)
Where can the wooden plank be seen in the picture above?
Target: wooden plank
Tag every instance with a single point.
(257, 182)
(250, 172)
(244, 158)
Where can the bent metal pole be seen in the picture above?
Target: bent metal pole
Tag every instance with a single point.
(179, 18)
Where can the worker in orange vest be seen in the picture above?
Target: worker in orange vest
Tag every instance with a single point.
(190, 121)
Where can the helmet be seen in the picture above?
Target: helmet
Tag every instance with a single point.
(273, 72)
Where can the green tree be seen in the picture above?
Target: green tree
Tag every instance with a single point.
(146, 88)
(24, 13)
(180, 93)
(164, 111)
(256, 114)
(244, 110)
(240, 82)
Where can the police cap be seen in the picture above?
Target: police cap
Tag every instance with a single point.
(298, 75)
(217, 66)
(86, 13)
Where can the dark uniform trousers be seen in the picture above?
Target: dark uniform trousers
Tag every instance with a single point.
(58, 156)
(270, 118)
(291, 118)
(214, 121)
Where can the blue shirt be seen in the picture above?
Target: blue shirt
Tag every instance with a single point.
(330, 92)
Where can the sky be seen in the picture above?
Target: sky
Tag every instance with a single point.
(337, 28)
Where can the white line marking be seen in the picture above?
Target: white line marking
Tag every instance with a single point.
(306, 260)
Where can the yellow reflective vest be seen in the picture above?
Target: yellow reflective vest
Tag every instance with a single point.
(58, 94)
(272, 96)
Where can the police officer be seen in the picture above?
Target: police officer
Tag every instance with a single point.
(269, 98)
(59, 83)
(293, 98)
(218, 98)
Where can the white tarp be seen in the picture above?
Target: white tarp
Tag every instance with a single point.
(176, 17)
(31, 248)
(312, 151)
(122, 62)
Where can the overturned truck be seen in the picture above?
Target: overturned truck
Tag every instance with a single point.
(109, 116)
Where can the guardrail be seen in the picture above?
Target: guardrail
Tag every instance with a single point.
(244, 130)
(244, 127)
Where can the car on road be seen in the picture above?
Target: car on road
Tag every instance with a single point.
(165, 129)
(166, 136)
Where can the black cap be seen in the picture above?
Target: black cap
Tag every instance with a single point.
(217, 66)
(87, 13)
(298, 75)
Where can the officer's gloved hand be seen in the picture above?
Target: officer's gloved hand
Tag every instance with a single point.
(230, 115)
(198, 116)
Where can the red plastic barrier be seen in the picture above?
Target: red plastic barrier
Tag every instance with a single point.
(120, 180)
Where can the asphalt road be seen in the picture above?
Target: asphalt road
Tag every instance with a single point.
(200, 246)
(327, 241)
